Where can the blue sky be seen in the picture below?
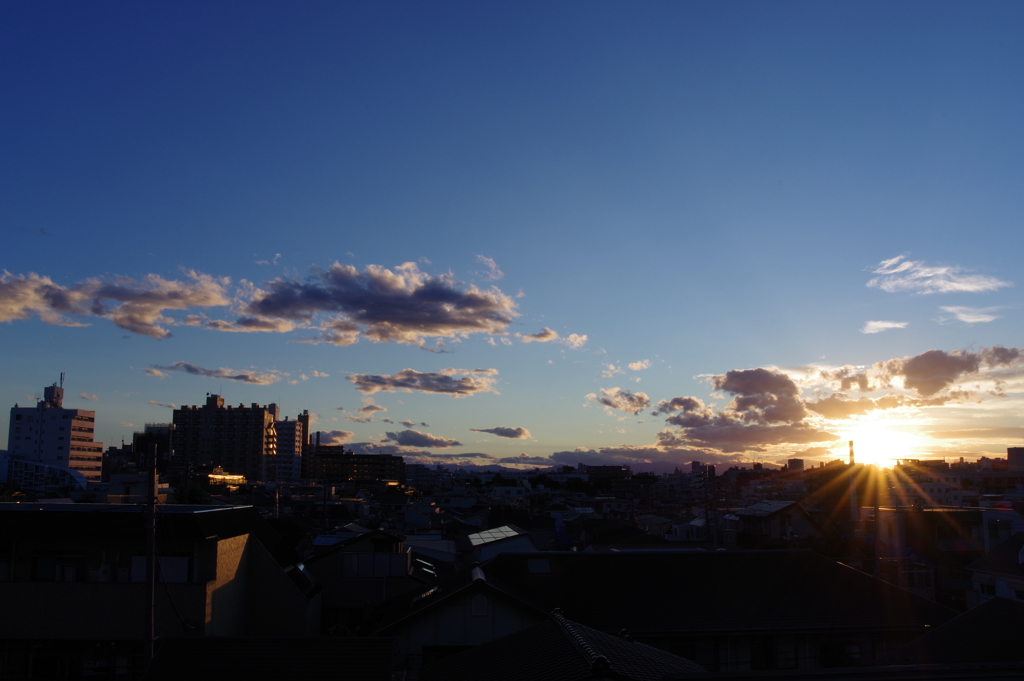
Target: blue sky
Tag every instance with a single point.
(697, 188)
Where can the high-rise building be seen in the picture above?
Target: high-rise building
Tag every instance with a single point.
(795, 464)
(158, 434)
(334, 463)
(290, 438)
(52, 435)
(1015, 459)
(242, 440)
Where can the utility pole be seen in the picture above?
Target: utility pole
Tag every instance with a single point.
(150, 556)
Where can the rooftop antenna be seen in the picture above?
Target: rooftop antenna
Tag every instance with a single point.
(62, 379)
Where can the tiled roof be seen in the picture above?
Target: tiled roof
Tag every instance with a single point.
(764, 508)
(563, 650)
(1003, 559)
(687, 593)
(231, 659)
(990, 632)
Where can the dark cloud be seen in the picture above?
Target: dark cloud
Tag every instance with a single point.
(251, 377)
(407, 423)
(762, 395)
(997, 356)
(766, 410)
(335, 437)
(403, 306)
(414, 438)
(444, 382)
(622, 400)
(643, 458)
(677, 403)
(505, 431)
(527, 459)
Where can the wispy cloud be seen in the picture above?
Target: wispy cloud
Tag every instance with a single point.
(641, 365)
(610, 370)
(252, 377)
(87, 396)
(516, 433)
(880, 326)
(543, 336)
(155, 372)
(493, 272)
(169, 405)
(970, 315)
(899, 274)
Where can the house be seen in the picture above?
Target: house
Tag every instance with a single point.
(452, 617)
(729, 611)
(774, 524)
(560, 650)
(72, 580)
(998, 573)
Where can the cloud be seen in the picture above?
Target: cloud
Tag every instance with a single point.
(838, 406)
(334, 437)
(251, 377)
(970, 315)
(999, 435)
(87, 396)
(542, 336)
(169, 405)
(847, 377)
(766, 410)
(576, 341)
(622, 400)
(124, 424)
(879, 326)
(414, 438)
(402, 306)
(367, 411)
(444, 382)
(133, 305)
(899, 274)
(155, 372)
(527, 459)
(407, 423)
(639, 366)
(610, 370)
(493, 273)
(505, 431)
(320, 374)
(269, 262)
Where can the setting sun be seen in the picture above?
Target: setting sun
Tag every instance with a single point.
(880, 442)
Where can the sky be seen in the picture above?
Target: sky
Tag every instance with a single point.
(526, 234)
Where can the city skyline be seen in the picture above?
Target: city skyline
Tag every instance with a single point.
(525, 236)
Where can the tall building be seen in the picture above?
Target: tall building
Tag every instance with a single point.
(54, 436)
(291, 436)
(242, 440)
(1015, 459)
(333, 463)
(158, 434)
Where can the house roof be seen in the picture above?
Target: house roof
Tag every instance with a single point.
(678, 593)
(407, 607)
(1003, 559)
(494, 535)
(990, 632)
(373, 536)
(231, 659)
(563, 650)
(764, 508)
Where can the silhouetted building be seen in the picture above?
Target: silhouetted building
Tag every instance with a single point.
(1015, 459)
(242, 440)
(335, 464)
(795, 464)
(158, 434)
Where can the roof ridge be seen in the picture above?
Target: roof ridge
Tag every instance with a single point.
(596, 661)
